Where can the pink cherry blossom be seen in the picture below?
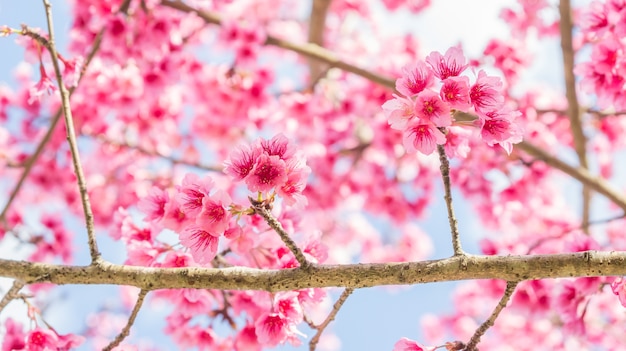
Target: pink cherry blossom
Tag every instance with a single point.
(455, 92)
(14, 337)
(192, 192)
(273, 329)
(241, 162)
(422, 137)
(399, 111)
(414, 79)
(153, 205)
(43, 86)
(430, 108)
(406, 344)
(278, 146)
(268, 172)
(41, 340)
(214, 215)
(485, 93)
(203, 244)
(451, 64)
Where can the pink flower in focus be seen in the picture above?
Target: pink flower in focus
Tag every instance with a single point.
(498, 128)
(449, 65)
(414, 79)
(214, 216)
(203, 245)
(485, 93)
(192, 192)
(430, 108)
(241, 162)
(406, 344)
(153, 205)
(278, 146)
(399, 111)
(268, 172)
(619, 288)
(175, 218)
(455, 91)
(422, 137)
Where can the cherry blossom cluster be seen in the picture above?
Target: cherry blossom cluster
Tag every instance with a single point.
(271, 167)
(424, 111)
(604, 25)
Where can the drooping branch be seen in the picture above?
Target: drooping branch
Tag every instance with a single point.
(510, 288)
(331, 316)
(259, 208)
(573, 108)
(131, 320)
(467, 267)
(445, 174)
(71, 139)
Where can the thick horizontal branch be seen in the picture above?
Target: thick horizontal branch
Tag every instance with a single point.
(510, 268)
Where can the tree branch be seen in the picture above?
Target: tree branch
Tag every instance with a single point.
(71, 139)
(131, 320)
(155, 153)
(331, 316)
(362, 275)
(317, 22)
(259, 208)
(598, 184)
(308, 50)
(445, 175)
(11, 294)
(573, 109)
(510, 288)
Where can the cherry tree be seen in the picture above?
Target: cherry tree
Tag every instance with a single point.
(261, 161)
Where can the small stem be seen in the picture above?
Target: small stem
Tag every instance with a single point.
(510, 288)
(331, 316)
(445, 174)
(278, 228)
(71, 138)
(131, 319)
(11, 294)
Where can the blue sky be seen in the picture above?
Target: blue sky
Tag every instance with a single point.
(371, 319)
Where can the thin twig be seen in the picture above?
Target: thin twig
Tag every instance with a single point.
(445, 175)
(260, 209)
(71, 138)
(12, 294)
(131, 319)
(510, 288)
(331, 316)
(155, 153)
(308, 50)
(573, 109)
